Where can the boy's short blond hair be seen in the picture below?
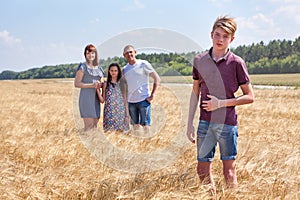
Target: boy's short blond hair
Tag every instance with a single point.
(228, 24)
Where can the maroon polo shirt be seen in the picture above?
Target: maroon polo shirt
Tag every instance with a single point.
(221, 79)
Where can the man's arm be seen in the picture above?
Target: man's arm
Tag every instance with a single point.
(156, 81)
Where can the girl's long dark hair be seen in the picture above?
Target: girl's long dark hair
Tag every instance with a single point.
(119, 72)
(119, 78)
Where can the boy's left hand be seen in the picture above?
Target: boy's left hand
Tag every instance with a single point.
(210, 105)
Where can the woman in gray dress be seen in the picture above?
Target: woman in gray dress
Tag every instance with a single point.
(88, 79)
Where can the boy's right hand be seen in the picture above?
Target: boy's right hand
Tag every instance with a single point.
(191, 133)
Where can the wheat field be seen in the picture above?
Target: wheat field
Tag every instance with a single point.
(45, 155)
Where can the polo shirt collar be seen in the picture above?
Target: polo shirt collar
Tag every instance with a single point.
(220, 59)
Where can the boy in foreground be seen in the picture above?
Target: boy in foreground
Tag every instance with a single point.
(217, 75)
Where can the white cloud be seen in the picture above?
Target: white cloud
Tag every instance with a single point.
(137, 5)
(287, 8)
(57, 45)
(291, 11)
(219, 3)
(258, 23)
(256, 28)
(9, 40)
(262, 20)
(95, 21)
(285, 1)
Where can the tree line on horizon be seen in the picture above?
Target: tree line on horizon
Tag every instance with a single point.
(278, 56)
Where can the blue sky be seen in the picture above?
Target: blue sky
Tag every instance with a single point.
(38, 33)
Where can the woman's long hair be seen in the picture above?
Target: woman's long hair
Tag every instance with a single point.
(92, 48)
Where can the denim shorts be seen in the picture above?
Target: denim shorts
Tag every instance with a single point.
(209, 134)
(140, 113)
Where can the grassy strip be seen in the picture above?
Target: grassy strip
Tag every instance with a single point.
(276, 79)
(292, 80)
(256, 79)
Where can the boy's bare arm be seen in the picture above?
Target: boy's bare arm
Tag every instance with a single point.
(194, 99)
(215, 103)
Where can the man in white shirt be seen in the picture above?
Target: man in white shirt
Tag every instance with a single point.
(136, 73)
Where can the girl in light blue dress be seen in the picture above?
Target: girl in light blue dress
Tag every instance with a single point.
(88, 79)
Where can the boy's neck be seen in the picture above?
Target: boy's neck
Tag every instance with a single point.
(218, 54)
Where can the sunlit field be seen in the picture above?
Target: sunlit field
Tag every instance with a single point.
(45, 155)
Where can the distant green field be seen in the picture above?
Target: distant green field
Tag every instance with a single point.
(276, 79)
(256, 79)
